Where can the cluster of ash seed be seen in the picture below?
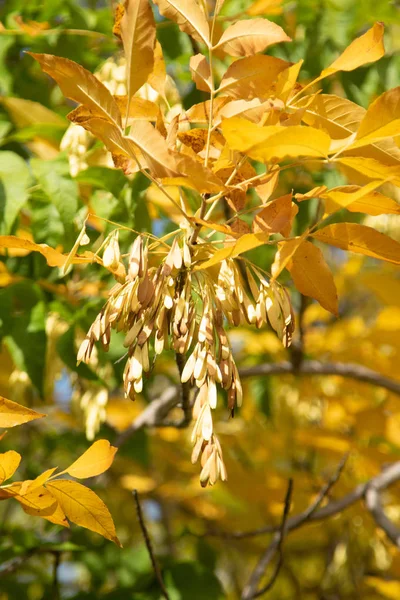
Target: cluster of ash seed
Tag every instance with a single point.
(172, 305)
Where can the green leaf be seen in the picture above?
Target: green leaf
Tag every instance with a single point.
(15, 180)
(60, 189)
(192, 580)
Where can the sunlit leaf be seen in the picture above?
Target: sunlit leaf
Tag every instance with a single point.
(52, 256)
(201, 73)
(251, 77)
(285, 251)
(9, 463)
(265, 143)
(381, 120)
(244, 244)
(312, 276)
(80, 85)
(97, 459)
(12, 414)
(360, 199)
(277, 216)
(189, 17)
(83, 507)
(361, 239)
(138, 34)
(250, 36)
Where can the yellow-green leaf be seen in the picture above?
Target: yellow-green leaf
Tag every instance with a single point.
(361, 239)
(12, 414)
(265, 143)
(9, 463)
(138, 34)
(251, 77)
(249, 36)
(97, 459)
(188, 15)
(83, 507)
(80, 85)
(312, 276)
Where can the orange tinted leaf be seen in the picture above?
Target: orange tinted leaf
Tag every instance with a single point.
(80, 85)
(251, 77)
(265, 7)
(12, 414)
(277, 216)
(97, 459)
(138, 34)
(83, 507)
(249, 36)
(361, 239)
(188, 16)
(312, 276)
(356, 199)
(286, 249)
(201, 73)
(52, 256)
(9, 463)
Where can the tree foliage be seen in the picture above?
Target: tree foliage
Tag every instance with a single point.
(200, 200)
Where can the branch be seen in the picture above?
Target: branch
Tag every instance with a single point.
(275, 546)
(149, 546)
(250, 590)
(314, 367)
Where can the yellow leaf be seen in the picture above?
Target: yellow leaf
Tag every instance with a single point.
(158, 76)
(265, 7)
(138, 35)
(26, 112)
(266, 189)
(286, 81)
(316, 192)
(265, 143)
(361, 239)
(200, 113)
(39, 503)
(286, 249)
(52, 256)
(357, 199)
(277, 216)
(365, 49)
(80, 85)
(249, 36)
(387, 589)
(253, 110)
(201, 72)
(188, 16)
(244, 244)
(251, 77)
(31, 484)
(312, 276)
(9, 463)
(12, 414)
(83, 507)
(139, 108)
(197, 176)
(97, 459)
(381, 120)
(372, 168)
(339, 117)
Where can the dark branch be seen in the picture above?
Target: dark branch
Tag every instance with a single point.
(314, 367)
(149, 546)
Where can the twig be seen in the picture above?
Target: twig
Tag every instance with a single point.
(276, 546)
(149, 546)
(185, 392)
(315, 367)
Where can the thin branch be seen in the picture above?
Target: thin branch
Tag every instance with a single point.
(315, 367)
(149, 546)
(276, 546)
(185, 392)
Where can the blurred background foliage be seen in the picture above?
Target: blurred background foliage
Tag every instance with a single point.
(288, 427)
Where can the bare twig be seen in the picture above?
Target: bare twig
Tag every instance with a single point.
(185, 392)
(315, 367)
(149, 546)
(276, 546)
